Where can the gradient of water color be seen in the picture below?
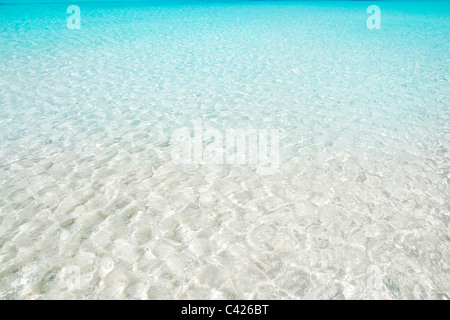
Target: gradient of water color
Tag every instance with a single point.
(93, 206)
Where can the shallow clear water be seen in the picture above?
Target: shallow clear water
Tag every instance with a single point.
(92, 205)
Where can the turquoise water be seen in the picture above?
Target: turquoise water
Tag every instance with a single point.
(93, 205)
